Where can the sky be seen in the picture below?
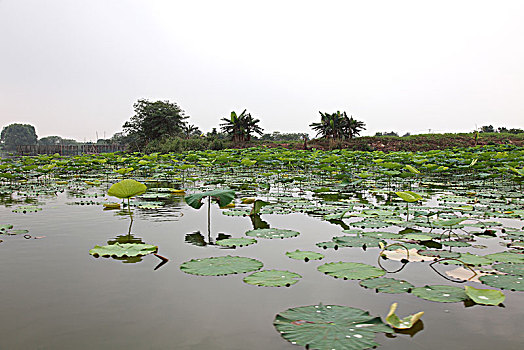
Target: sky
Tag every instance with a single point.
(75, 68)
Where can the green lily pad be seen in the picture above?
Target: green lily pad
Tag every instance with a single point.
(272, 278)
(236, 242)
(5, 227)
(407, 322)
(351, 270)
(126, 189)
(417, 237)
(443, 294)
(409, 196)
(120, 250)
(456, 244)
(510, 282)
(272, 233)
(381, 235)
(220, 266)
(485, 296)
(26, 209)
(353, 241)
(511, 269)
(387, 285)
(439, 253)
(328, 327)
(506, 257)
(16, 232)
(304, 255)
(471, 259)
(326, 245)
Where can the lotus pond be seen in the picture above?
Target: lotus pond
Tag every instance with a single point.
(263, 249)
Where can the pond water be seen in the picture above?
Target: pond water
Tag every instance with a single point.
(55, 295)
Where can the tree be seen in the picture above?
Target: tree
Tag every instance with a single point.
(153, 120)
(241, 127)
(190, 130)
(487, 128)
(337, 126)
(18, 134)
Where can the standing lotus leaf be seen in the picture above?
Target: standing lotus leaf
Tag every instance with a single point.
(409, 196)
(236, 242)
(120, 250)
(126, 189)
(443, 294)
(223, 196)
(272, 278)
(327, 327)
(220, 266)
(405, 323)
(272, 233)
(387, 285)
(351, 270)
(485, 296)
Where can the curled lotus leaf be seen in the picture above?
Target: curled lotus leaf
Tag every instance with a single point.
(443, 294)
(327, 327)
(272, 233)
(222, 196)
(485, 296)
(126, 189)
(120, 250)
(387, 285)
(405, 323)
(351, 270)
(272, 278)
(220, 266)
(236, 242)
(409, 196)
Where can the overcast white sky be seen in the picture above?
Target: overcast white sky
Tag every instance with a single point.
(73, 68)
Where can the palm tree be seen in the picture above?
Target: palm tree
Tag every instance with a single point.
(337, 126)
(190, 130)
(352, 127)
(240, 127)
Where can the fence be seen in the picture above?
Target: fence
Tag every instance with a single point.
(67, 150)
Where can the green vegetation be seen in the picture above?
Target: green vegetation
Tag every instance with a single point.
(18, 134)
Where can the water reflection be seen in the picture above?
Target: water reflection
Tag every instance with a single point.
(417, 327)
(198, 239)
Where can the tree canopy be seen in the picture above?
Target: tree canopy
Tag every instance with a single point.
(241, 127)
(337, 126)
(153, 120)
(18, 134)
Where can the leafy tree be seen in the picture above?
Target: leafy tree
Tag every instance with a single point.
(56, 140)
(241, 127)
(487, 128)
(190, 130)
(18, 134)
(337, 126)
(391, 133)
(153, 120)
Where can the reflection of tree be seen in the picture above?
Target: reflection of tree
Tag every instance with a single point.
(196, 238)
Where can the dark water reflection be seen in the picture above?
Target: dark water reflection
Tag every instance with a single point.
(54, 295)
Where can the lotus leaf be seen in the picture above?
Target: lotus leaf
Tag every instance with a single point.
(407, 322)
(510, 282)
(409, 196)
(26, 209)
(223, 196)
(362, 241)
(401, 254)
(485, 296)
(126, 189)
(271, 233)
(417, 237)
(123, 250)
(387, 285)
(506, 257)
(272, 278)
(471, 259)
(304, 255)
(236, 242)
(511, 269)
(220, 266)
(328, 327)
(351, 270)
(443, 294)
(439, 253)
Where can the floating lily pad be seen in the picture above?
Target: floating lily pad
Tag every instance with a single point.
(220, 266)
(328, 327)
(326, 245)
(443, 294)
(506, 257)
(456, 244)
(417, 237)
(511, 269)
(387, 285)
(272, 278)
(470, 259)
(405, 323)
(120, 250)
(354, 241)
(485, 296)
(351, 270)
(439, 253)
(510, 282)
(272, 233)
(304, 255)
(236, 242)
(26, 209)
(381, 235)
